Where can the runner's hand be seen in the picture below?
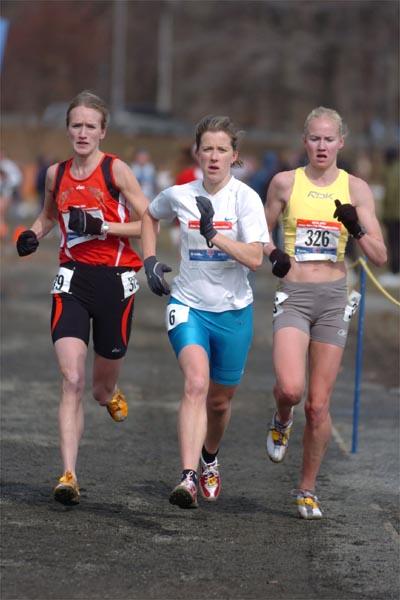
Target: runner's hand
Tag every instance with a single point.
(206, 219)
(155, 276)
(347, 214)
(81, 221)
(280, 262)
(27, 242)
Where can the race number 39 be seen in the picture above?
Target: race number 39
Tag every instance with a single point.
(62, 281)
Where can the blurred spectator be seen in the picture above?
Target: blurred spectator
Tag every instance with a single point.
(164, 177)
(5, 201)
(145, 172)
(42, 165)
(260, 180)
(190, 170)
(391, 216)
(245, 171)
(12, 179)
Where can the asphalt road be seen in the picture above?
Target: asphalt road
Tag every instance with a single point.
(125, 541)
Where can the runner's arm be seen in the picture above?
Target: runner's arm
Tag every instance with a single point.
(133, 194)
(150, 228)
(371, 244)
(250, 255)
(47, 218)
(277, 198)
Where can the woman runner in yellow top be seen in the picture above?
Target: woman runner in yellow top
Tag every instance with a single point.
(321, 205)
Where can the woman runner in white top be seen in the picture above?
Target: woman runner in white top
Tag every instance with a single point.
(209, 316)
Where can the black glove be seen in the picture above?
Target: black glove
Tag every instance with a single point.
(206, 219)
(81, 221)
(155, 275)
(347, 214)
(280, 262)
(27, 242)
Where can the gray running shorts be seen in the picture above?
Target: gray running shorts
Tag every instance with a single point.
(318, 309)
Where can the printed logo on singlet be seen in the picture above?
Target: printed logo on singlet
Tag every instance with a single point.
(80, 187)
(319, 195)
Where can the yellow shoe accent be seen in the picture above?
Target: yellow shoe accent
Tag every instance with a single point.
(278, 439)
(308, 505)
(67, 490)
(118, 407)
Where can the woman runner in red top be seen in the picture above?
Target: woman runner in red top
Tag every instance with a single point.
(98, 203)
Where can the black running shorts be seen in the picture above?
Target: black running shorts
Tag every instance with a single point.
(104, 295)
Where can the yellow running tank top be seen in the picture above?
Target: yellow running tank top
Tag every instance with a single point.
(311, 232)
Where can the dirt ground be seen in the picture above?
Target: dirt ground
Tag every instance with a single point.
(125, 541)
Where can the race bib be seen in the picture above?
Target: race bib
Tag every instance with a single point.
(74, 238)
(316, 240)
(62, 281)
(352, 305)
(200, 252)
(280, 297)
(175, 315)
(130, 283)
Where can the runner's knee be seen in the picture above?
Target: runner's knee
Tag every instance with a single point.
(289, 392)
(73, 381)
(220, 403)
(316, 412)
(196, 387)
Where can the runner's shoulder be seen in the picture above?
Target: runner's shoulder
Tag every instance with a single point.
(283, 181)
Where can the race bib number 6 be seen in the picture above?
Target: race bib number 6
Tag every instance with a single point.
(175, 315)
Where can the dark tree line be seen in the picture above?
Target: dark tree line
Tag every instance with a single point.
(267, 63)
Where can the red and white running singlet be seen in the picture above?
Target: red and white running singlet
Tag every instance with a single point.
(99, 195)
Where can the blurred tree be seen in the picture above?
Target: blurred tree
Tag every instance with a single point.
(265, 62)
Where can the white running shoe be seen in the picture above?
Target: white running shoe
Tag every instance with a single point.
(278, 440)
(308, 505)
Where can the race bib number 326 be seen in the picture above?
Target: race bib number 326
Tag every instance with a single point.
(316, 240)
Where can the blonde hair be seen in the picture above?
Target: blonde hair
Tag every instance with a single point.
(90, 100)
(330, 113)
(219, 123)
